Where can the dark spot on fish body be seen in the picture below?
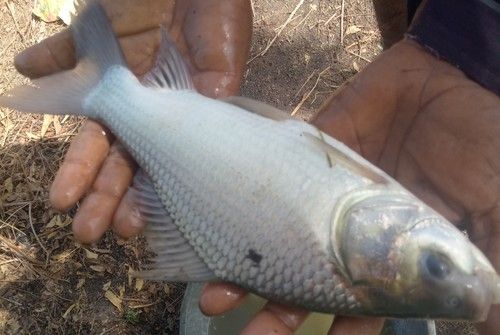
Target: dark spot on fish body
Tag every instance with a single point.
(254, 256)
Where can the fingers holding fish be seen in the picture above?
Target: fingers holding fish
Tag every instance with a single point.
(217, 84)
(127, 221)
(128, 18)
(53, 54)
(231, 28)
(230, 220)
(140, 50)
(220, 297)
(276, 319)
(56, 53)
(81, 165)
(217, 55)
(346, 325)
(98, 207)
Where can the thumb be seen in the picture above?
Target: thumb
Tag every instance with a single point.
(128, 18)
(51, 55)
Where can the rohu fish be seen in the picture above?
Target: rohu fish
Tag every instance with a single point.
(239, 191)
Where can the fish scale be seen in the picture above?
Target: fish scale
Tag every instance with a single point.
(183, 188)
(237, 190)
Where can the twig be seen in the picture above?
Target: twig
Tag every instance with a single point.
(10, 261)
(278, 33)
(359, 56)
(304, 84)
(36, 236)
(145, 305)
(304, 19)
(334, 16)
(306, 96)
(252, 6)
(11, 301)
(11, 11)
(342, 23)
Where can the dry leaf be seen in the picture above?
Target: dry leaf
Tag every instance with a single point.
(64, 223)
(55, 221)
(355, 66)
(166, 288)
(57, 124)
(90, 254)
(80, 283)
(106, 286)
(62, 256)
(139, 283)
(351, 30)
(8, 186)
(70, 308)
(97, 268)
(32, 136)
(48, 10)
(130, 276)
(117, 302)
(47, 120)
(122, 291)
(67, 11)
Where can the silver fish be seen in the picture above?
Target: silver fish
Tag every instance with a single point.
(239, 191)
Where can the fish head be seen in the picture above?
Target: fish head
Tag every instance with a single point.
(403, 259)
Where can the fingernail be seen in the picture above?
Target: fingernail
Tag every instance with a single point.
(88, 229)
(22, 62)
(127, 221)
(21, 59)
(218, 298)
(266, 324)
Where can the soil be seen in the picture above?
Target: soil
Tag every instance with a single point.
(50, 284)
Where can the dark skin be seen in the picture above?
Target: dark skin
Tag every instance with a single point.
(420, 119)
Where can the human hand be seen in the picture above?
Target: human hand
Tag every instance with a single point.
(214, 37)
(437, 132)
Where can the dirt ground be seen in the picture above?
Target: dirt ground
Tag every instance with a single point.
(49, 284)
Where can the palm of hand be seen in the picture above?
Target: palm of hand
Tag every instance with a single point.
(214, 38)
(435, 131)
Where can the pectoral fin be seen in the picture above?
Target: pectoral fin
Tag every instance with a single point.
(175, 259)
(259, 108)
(170, 70)
(336, 156)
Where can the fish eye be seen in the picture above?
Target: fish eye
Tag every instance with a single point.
(437, 266)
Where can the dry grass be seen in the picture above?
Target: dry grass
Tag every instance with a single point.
(48, 282)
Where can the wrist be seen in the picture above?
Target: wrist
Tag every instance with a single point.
(465, 33)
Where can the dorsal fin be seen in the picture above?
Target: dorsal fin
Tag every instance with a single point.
(170, 70)
(335, 155)
(175, 258)
(259, 108)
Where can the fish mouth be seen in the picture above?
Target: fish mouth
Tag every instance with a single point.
(489, 280)
(483, 295)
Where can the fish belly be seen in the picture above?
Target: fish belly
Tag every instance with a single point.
(252, 195)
